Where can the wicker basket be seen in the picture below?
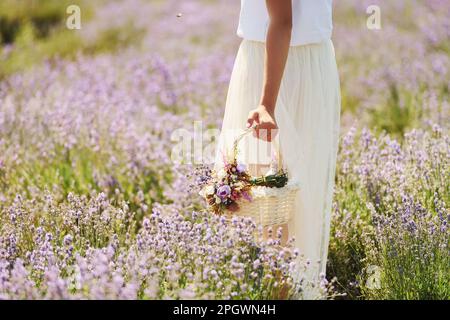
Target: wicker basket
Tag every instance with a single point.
(269, 206)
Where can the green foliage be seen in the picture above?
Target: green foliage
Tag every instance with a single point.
(77, 170)
(389, 237)
(413, 274)
(43, 17)
(36, 31)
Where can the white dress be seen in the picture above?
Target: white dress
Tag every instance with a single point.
(307, 113)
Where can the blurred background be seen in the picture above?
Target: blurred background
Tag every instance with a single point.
(92, 111)
(393, 78)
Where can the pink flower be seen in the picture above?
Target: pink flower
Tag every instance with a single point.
(241, 167)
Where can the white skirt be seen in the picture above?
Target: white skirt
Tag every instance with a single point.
(307, 114)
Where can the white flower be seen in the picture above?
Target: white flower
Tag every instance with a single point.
(373, 281)
(210, 190)
(221, 174)
(207, 191)
(237, 184)
(218, 200)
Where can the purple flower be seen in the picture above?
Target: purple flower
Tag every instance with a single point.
(224, 191)
(68, 240)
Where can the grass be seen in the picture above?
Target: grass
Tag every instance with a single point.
(33, 33)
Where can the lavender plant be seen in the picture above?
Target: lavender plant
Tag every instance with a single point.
(391, 216)
(89, 249)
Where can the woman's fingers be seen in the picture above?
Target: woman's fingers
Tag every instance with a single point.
(263, 123)
(250, 120)
(253, 119)
(265, 131)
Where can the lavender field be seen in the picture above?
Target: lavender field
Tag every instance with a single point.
(93, 207)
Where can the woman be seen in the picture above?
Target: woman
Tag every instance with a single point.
(285, 81)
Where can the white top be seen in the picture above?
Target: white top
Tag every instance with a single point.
(311, 21)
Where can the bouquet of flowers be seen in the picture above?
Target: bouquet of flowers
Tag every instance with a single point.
(233, 183)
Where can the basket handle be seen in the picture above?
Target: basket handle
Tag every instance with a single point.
(246, 132)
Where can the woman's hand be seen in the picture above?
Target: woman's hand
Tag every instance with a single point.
(264, 120)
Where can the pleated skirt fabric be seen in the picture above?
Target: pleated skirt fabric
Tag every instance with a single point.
(307, 114)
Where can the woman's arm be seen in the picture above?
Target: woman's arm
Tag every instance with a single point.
(277, 49)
